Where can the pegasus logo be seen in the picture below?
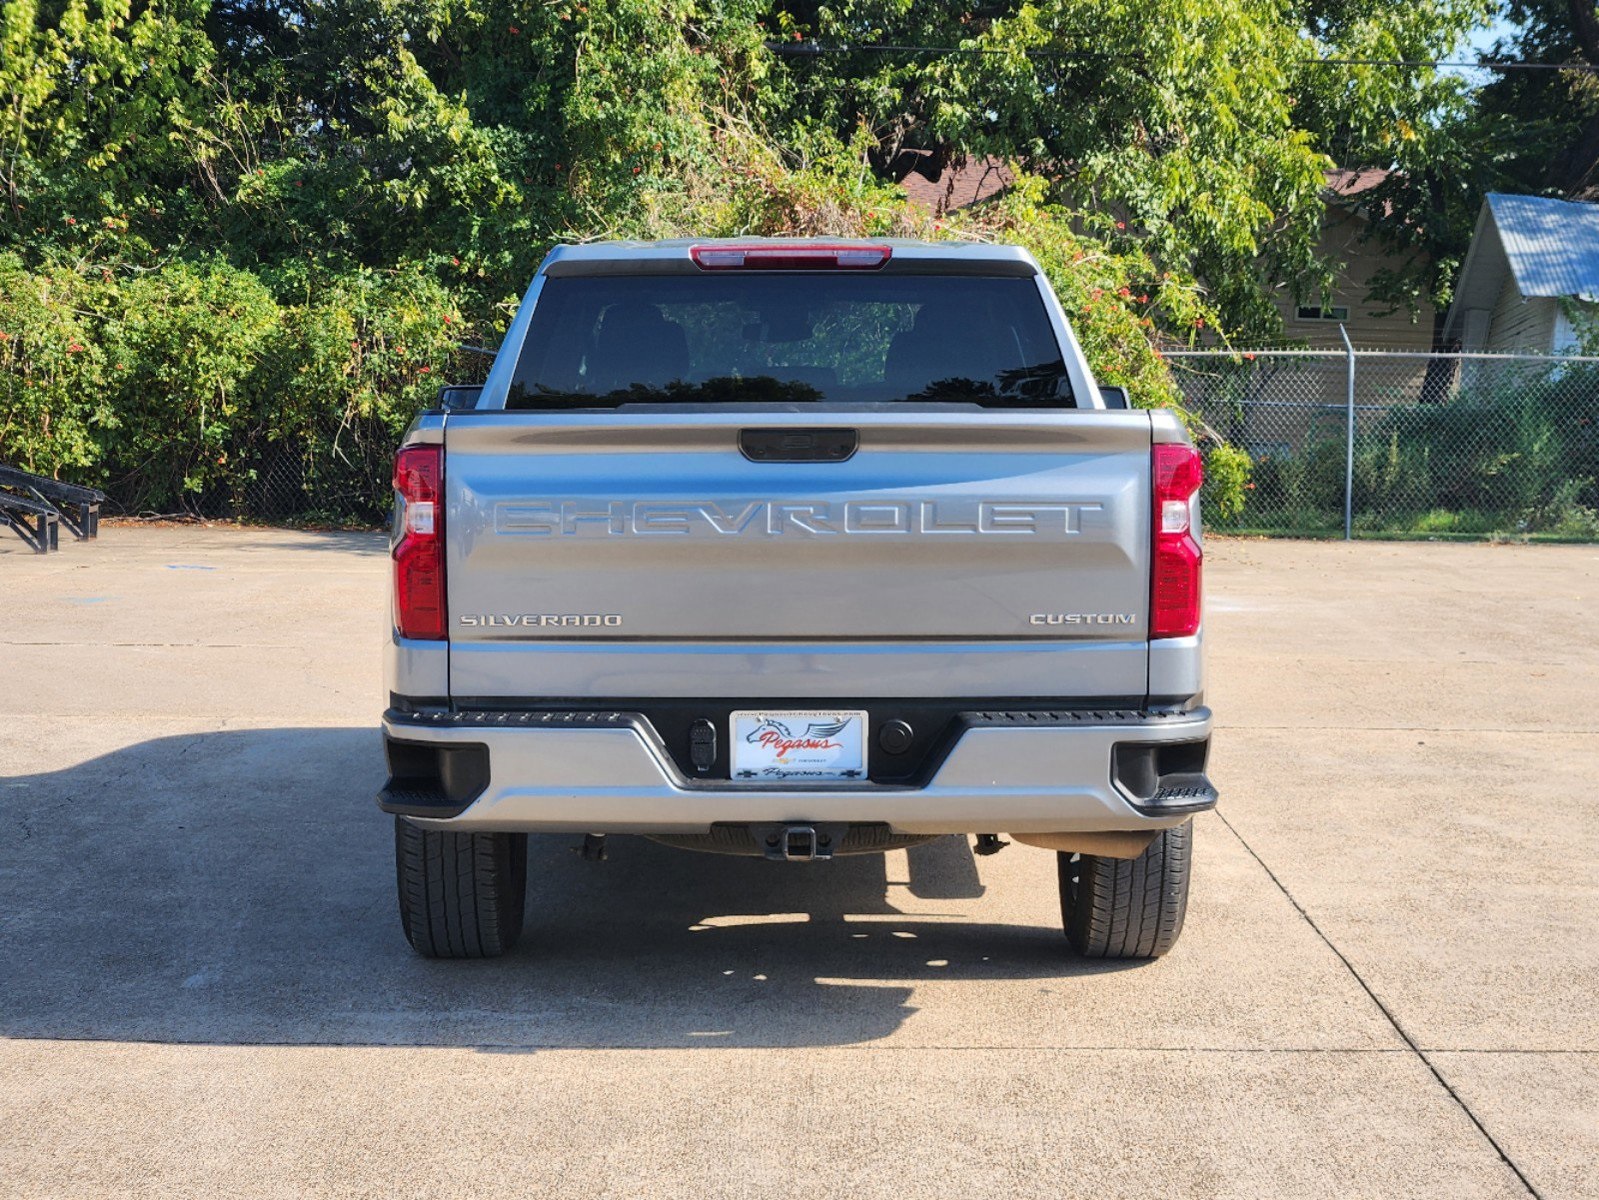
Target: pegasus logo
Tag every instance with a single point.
(775, 735)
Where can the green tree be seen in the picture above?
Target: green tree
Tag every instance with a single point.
(1522, 131)
(1200, 129)
(96, 104)
(1555, 113)
(1424, 212)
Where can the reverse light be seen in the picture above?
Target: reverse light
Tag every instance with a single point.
(790, 258)
(1178, 561)
(419, 554)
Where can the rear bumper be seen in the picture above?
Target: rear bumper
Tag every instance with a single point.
(606, 772)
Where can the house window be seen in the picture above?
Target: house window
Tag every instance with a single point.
(1329, 312)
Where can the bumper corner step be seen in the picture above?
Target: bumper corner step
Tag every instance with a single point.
(418, 800)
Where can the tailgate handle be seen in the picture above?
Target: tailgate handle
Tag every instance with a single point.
(798, 445)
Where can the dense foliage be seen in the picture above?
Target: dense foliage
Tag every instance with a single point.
(182, 382)
(243, 238)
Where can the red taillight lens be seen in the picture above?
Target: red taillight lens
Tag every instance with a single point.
(419, 554)
(1178, 560)
(790, 258)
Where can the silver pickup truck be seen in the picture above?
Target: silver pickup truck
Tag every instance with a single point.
(795, 549)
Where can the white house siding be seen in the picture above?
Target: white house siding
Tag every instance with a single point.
(1521, 326)
(1568, 340)
(1516, 325)
(1565, 335)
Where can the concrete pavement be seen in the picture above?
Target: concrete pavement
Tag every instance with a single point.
(1388, 984)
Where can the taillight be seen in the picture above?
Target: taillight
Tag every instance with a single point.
(419, 554)
(790, 258)
(1175, 572)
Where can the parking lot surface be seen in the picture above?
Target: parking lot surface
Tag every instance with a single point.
(1388, 985)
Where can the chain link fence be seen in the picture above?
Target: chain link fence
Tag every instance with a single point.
(337, 476)
(1376, 443)
(1387, 443)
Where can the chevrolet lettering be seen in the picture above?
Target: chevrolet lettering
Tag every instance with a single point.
(893, 568)
(817, 518)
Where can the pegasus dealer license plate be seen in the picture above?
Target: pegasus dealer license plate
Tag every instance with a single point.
(799, 747)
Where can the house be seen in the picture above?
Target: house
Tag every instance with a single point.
(1356, 257)
(959, 184)
(1532, 266)
(1287, 402)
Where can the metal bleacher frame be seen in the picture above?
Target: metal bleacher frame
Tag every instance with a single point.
(34, 521)
(37, 505)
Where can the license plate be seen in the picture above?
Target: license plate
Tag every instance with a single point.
(798, 747)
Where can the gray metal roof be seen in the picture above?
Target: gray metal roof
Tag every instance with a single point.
(1552, 245)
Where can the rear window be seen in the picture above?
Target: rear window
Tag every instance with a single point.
(847, 338)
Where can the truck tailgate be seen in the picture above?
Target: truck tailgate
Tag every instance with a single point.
(651, 526)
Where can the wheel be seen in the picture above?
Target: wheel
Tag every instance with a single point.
(1127, 907)
(461, 894)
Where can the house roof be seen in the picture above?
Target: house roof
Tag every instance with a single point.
(1351, 183)
(974, 180)
(1347, 188)
(1550, 247)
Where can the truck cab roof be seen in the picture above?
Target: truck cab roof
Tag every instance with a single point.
(905, 255)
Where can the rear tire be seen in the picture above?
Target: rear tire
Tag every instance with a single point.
(1127, 907)
(461, 894)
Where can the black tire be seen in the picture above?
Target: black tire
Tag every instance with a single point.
(461, 894)
(1127, 907)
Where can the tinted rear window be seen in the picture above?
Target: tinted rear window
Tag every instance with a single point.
(848, 338)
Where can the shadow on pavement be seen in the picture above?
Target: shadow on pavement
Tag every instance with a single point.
(359, 542)
(238, 887)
